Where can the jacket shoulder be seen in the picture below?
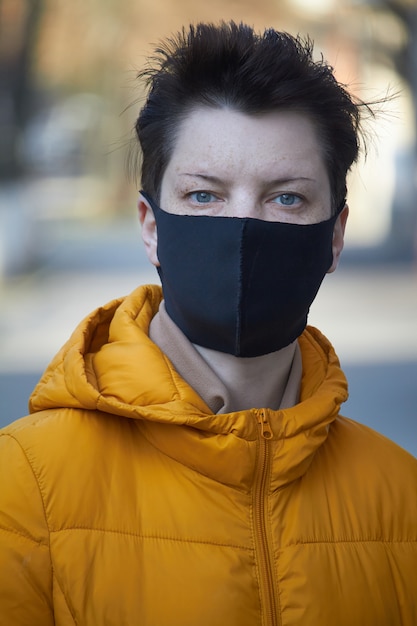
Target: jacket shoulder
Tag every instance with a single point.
(359, 438)
(54, 439)
(370, 481)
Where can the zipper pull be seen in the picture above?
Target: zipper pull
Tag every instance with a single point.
(266, 431)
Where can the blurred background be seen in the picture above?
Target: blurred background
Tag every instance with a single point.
(69, 237)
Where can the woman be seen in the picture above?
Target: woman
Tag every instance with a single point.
(185, 461)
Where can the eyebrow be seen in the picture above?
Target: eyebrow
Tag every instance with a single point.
(275, 181)
(211, 179)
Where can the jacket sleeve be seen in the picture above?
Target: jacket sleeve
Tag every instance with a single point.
(25, 564)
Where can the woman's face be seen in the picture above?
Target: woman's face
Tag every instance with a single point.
(229, 163)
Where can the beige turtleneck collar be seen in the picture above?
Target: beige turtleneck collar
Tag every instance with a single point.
(225, 382)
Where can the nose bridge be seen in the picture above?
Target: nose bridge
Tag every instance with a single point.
(245, 203)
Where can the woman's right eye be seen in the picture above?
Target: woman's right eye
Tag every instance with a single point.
(202, 197)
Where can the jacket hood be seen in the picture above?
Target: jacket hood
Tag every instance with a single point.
(110, 365)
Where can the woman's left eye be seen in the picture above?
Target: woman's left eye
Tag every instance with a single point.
(287, 199)
(202, 197)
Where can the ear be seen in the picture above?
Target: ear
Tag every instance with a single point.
(149, 233)
(338, 237)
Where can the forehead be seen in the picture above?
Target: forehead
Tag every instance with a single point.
(223, 138)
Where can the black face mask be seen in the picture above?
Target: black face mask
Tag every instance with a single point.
(237, 284)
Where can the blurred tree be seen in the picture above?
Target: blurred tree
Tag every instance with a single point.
(19, 22)
(404, 58)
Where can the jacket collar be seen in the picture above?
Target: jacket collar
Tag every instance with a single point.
(111, 365)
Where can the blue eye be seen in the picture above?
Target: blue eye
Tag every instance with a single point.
(202, 197)
(287, 199)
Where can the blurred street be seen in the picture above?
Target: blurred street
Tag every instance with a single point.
(369, 312)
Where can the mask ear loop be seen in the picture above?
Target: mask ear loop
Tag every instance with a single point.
(153, 204)
(145, 195)
(340, 207)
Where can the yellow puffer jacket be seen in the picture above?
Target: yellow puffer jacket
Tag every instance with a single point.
(124, 501)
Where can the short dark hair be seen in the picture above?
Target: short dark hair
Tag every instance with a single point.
(230, 65)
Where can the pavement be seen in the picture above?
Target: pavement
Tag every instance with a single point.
(369, 312)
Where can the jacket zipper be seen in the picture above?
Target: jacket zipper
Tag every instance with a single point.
(262, 545)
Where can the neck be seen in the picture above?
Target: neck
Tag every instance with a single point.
(257, 381)
(228, 383)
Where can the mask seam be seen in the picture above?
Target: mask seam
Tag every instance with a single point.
(238, 334)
